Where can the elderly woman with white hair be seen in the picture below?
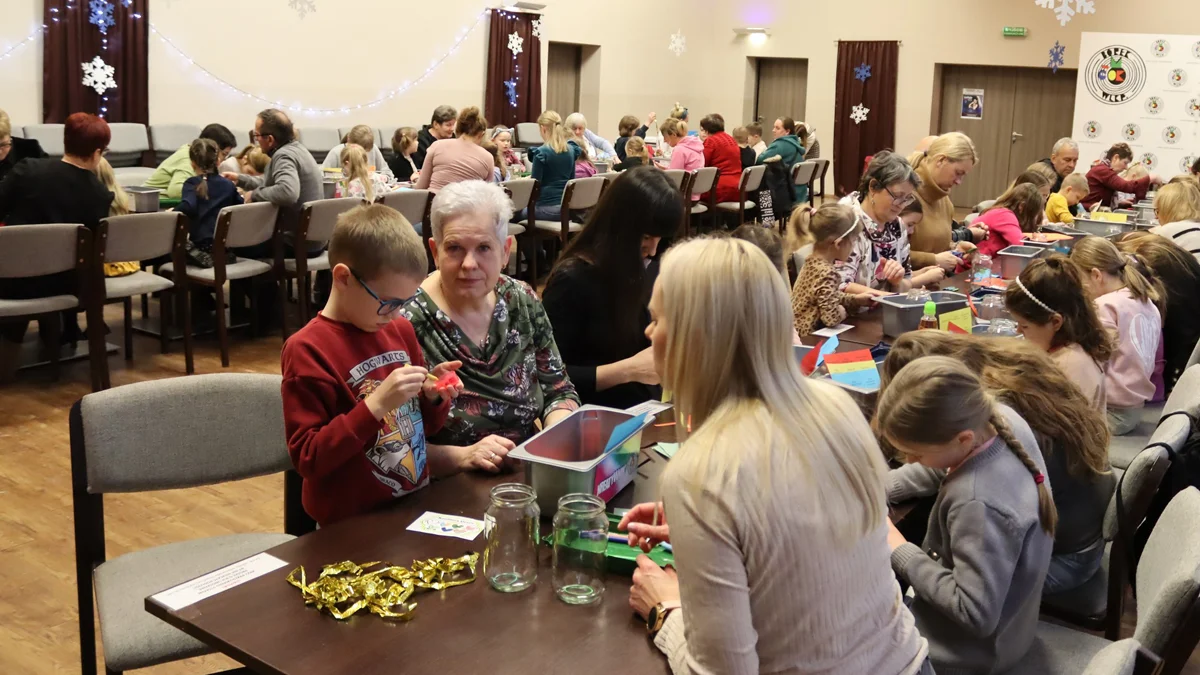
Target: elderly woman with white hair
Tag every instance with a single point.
(468, 311)
(595, 146)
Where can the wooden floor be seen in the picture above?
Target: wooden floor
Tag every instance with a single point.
(38, 631)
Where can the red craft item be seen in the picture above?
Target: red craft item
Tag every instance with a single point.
(809, 362)
(448, 381)
(954, 328)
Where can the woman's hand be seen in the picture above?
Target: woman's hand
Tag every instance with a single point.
(892, 272)
(652, 585)
(895, 539)
(928, 275)
(230, 176)
(486, 455)
(863, 299)
(555, 417)
(947, 261)
(639, 523)
(641, 367)
(978, 232)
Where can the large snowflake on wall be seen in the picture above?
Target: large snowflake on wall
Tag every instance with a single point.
(514, 43)
(1056, 56)
(100, 15)
(678, 43)
(537, 28)
(862, 72)
(303, 7)
(859, 113)
(99, 75)
(1065, 10)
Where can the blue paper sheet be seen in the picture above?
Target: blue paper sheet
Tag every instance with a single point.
(828, 348)
(624, 430)
(867, 378)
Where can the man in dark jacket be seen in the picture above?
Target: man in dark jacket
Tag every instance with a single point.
(1063, 159)
(440, 126)
(13, 150)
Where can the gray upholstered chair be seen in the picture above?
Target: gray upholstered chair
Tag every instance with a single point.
(983, 206)
(800, 255)
(805, 173)
(677, 177)
(702, 181)
(822, 171)
(166, 139)
(1099, 602)
(528, 135)
(414, 206)
(318, 140)
(1195, 357)
(238, 226)
(1126, 657)
(130, 142)
(579, 194)
(751, 181)
(523, 192)
(49, 136)
(385, 141)
(317, 221)
(161, 435)
(1168, 583)
(1185, 396)
(28, 251)
(145, 237)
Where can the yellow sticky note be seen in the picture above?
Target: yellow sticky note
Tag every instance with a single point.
(959, 317)
(1108, 217)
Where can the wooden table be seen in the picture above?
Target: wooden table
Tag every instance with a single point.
(264, 624)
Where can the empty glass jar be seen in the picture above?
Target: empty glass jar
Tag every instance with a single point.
(510, 560)
(580, 542)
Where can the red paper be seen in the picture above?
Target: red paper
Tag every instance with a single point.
(954, 328)
(850, 357)
(809, 362)
(448, 381)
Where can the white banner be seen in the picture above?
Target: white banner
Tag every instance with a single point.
(1141, 89)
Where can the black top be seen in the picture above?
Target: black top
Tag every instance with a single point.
(572, 299)
(22, 148)
(748, 157)
(628, 163)
(52, 191)
(401, 167)
(424, 140)
(619, 145)
(1058, 180)
(202, 213)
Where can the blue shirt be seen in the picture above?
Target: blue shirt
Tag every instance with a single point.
(552, 170)
(202, 213)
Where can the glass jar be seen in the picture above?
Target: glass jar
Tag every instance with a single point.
(580, 542)
(982, 268)
(510, 560)
(1002, 328)
(992, 307)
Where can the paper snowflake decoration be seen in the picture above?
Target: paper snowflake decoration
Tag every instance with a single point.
(126, 3)
(859, 113)
(98, 75)
(1065, 10)
(678, 44)
(537, 28)
(510, 87)
(514, 43)
(862, 72)
(1056, 56)
(100, 14)
(303, 7)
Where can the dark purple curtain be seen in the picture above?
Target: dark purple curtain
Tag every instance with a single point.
(852, 143)
(71, 40)
(514, 82)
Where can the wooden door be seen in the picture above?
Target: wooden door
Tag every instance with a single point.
(781, 89)
(1044, 112)
(563, 78)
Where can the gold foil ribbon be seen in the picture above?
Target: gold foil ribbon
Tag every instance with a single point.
(346, 587)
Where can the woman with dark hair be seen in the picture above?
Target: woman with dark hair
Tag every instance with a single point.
(1104, 178)
(597, 294)
(721, 151)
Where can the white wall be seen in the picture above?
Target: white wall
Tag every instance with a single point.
(21, 71)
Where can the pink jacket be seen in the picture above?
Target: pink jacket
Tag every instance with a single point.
(1003, 231)
(689, 156)
(1138, 329)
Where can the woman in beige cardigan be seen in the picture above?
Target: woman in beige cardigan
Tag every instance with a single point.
(775, 502)
(948, 160)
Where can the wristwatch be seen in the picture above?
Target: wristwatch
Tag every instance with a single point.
(658, 616)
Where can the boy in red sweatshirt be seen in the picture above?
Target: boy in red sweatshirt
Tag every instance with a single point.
(358, 402)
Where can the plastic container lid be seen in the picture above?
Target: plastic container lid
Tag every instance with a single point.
(930, 308)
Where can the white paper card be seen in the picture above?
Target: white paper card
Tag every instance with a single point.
(652, 407)
(444, 525)
(218, 580)
(830, 332)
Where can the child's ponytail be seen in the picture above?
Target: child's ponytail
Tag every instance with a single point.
(1141, 282)
(204, 153)
(1047, 512)
(799, 229)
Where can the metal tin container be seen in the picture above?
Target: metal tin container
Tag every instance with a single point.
(900, 314)
(1102, 228)
(1145, 213)
(329, 188)
(145, 200)
(570, 456)
(1068, 244)
(1014, 259)
(1046, 246)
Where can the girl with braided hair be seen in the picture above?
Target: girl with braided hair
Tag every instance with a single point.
(978, 574)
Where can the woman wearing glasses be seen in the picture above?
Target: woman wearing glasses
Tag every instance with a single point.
(879, 262)
(468, 311)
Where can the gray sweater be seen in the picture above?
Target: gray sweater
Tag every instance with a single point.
(978, 579)
(293, 177)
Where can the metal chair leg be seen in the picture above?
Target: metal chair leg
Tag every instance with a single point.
(127, 305)
(222, 328)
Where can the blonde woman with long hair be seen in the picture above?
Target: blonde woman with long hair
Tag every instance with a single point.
(553, 165)
(1070, 430)
(945, 164)
(978, 574)
(775, 501)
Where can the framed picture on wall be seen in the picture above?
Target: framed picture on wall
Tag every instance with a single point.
(972, 104)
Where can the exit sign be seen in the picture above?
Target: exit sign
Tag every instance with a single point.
(1015, 31)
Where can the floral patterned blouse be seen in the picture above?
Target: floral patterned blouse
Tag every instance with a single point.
(875, 243)
(515, 378)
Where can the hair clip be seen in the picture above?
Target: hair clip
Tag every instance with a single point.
(1033, 297)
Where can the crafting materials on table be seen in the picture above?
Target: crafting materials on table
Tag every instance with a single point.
(444, 525)
(346, 587)
(854, 370)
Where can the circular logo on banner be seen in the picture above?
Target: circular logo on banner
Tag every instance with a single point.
(1193, 107)
(1160, 48)
(1154, 105)
(1196, 50)
(1185, 164)
(1115, 75)
(1150, 161)
(1091, 129)
(1171, 135)
(1131, 132)
(1177, 78)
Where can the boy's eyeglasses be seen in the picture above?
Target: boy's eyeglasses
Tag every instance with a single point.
(386, 307)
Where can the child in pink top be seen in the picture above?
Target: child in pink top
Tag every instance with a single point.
(1126, 296)
(687, 151)
(1016, 212)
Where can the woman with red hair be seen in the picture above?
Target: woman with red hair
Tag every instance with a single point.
(51, 190)
(721, 151)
